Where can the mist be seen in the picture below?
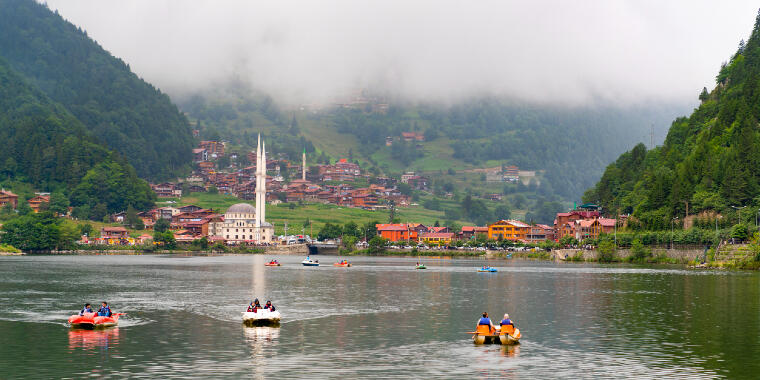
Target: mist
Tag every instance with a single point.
(570, 53)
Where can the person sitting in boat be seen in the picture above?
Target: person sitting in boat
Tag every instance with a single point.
(255, 305)
(485, 321)
(269, 306)
(87, 309)
(506, 321)
(104, 311)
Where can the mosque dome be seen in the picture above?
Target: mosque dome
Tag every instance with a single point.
(241, 208)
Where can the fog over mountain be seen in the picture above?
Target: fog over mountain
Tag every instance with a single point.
(314, 51)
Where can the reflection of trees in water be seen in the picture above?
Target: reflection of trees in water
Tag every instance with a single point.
(91, 339)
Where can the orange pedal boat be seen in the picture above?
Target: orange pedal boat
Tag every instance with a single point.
(506, 335)
(344, 264)
(93, 320)
(273, 264)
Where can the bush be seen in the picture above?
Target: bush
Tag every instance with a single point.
(638, 252)
(606, 251)
(9, 248)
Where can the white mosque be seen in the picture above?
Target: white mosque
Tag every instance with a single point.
(242, 222)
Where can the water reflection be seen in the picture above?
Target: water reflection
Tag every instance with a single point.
(512, 350)
(91, 339)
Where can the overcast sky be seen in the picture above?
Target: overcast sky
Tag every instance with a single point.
(574, 52)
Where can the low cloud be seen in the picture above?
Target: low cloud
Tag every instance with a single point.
(316, 51)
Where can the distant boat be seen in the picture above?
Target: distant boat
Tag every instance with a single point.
(420, 266)
(307, 262)
(342, 264)
(487, 269)
(273, 263)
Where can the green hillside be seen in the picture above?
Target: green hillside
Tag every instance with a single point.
(126, 113)
(46, 146)
(710, 160)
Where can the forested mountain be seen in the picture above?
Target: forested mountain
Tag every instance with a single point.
(568, 146)
(710, 160)
(46, 146)
(128, 114)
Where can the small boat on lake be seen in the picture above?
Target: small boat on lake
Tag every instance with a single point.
(307, 262)
(261, 317)
(93, 320)
(488, 269)
(505, 335)
(273, 263)
(420, 266)
(342, 264)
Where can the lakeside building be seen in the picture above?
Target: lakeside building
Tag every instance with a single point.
(508, 230)
(244, 223)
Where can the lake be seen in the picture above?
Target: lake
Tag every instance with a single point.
(379, 318)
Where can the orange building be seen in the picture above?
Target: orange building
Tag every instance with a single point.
(508, 230)
(396, 232)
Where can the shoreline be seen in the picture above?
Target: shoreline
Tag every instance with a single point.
(689, 258)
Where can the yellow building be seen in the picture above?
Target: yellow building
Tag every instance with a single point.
(436, 238)
(508, 230)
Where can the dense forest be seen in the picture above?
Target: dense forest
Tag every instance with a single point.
(709, 161)
(49, 148)
(112, 103)
(570, 144)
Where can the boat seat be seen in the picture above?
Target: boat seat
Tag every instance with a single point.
(507, 329)
(483, 330)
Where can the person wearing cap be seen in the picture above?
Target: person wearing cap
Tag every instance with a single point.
(269, 306)
(506, 321)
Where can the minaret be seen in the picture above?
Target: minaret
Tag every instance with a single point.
(258, 186)
(263, 214)
(303, 165)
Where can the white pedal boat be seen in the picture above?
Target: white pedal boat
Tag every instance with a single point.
(261, 318)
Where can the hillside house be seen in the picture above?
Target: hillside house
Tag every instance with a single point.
(167, 190)
(113, 233)
(38, 201)
(200, 155)
(412, 136)
(214, 148)
(7, 197)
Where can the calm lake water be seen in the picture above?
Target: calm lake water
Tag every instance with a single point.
(380, 318)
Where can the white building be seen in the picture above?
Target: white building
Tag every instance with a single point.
(244, 223)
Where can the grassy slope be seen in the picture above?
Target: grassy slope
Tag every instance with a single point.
(319, 214)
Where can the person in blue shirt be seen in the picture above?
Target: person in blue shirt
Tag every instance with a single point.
(485, 321)
(104, 311)
(87, 309)
(506, 321)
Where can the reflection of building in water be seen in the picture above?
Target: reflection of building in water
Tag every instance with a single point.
(258, 277)
(90, 339)
(259, 338)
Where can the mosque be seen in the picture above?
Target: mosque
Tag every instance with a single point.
(244, 223)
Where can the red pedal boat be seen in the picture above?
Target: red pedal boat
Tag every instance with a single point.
(272, 264)
(92, 320)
